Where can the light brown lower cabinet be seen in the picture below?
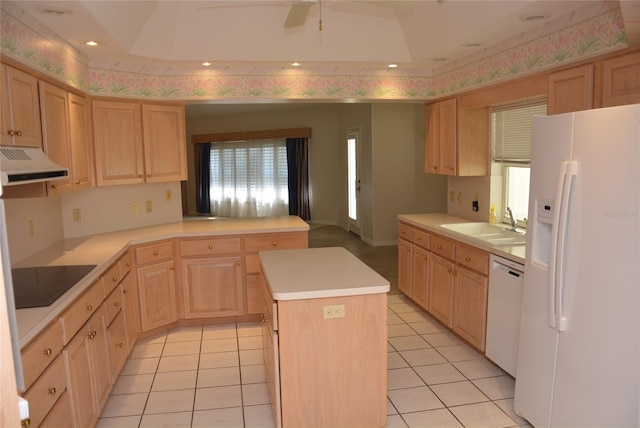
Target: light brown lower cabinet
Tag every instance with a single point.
(58, 417)
(470, 303)
(131, 308)
(326, 372)
(157, 291)
(441, 286)
(117, 345)
(88, 368)
(46, 391)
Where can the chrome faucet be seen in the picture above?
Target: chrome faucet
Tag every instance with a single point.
(514, 224)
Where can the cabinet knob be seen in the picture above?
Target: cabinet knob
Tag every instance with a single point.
(114, 279)
(120, 345)
(149, 176)
(116, 304)
(449, 270)
(454, 273)
(468, 259)
(89, 308)
(274, 243)
(263, 318)
(141, 176)
(173, 268)
(77, 181)
(238, 263)
(439, 247)
(155, 253)
(54, 186)
(210, 246)
(25, 423)
(48, 352)
(125, 291)
(52, 390)
(128, 264)
(19, 133)
(11, 132)
(92, 334)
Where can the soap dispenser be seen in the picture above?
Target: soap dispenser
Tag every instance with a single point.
(492, 214)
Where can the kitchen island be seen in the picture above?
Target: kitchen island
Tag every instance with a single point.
(325, 338)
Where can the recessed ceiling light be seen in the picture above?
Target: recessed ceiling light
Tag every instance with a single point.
(295, 64)
(392, 65)
(92, 43)
(531, 17)
(206, 63)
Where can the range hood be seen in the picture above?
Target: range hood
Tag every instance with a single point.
(22, 165)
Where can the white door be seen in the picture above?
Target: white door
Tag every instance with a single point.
(353, 179)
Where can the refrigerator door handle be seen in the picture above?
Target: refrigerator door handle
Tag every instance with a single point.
(558, 319)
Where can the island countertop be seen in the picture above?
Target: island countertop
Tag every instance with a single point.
(319, 272)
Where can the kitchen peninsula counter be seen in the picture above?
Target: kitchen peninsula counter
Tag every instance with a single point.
(104, 249)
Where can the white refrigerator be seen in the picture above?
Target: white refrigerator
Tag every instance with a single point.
(579, 349)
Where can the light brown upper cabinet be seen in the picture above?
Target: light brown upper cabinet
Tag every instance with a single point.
(20, 109)
(457, 139)
(66, 123)
(570, 90)
(139, 143)
(621, 80)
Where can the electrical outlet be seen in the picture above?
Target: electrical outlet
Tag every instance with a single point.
(333, 311)
(134, 208)
(77, 215)
(148, 206)
(167, 195)
(31, 229)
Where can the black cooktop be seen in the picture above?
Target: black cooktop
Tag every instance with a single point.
(35, 287)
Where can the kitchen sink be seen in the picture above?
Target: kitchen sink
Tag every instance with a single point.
(492, 234)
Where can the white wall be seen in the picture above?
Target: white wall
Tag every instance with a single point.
(103, 209)
(108, 209)
(399, 181)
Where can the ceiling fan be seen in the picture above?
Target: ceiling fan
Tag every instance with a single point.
(299, 10)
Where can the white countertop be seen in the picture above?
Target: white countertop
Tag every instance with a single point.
(433, 223)
(319, 272)
(104, 249)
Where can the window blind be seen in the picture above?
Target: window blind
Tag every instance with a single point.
(511, 129)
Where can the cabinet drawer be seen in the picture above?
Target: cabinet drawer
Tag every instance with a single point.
(280, 241)
(420, 238)
(154, 253)
(124, 264)
(113, 304)
(473, 259)
(210, 246)
(111, 278)
(404, 231)
(443, 247)
(45, 391)
(80, 311)
(41, 352)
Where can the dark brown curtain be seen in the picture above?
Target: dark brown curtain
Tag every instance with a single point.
(203, 172)
(298, 166)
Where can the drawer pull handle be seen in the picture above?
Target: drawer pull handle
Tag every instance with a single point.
(238, 263)
(54, 186)
(48, 352)
(92, 334)
(89, 308)
(128, 264)
(141, 176)
(52, 390)
(263, 318)
(449, 270)
(274, 243)
(467, 259)
(116, 304)
(210, 247)
(77, 181)
(155, 253)
(114, 279)
(11, 132)
(125, 291)
(121, 345)
(148, 175)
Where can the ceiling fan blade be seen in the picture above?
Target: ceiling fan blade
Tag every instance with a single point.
(298, 14)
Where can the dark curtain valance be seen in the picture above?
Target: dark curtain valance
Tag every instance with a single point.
(298, 166)
(203, 173)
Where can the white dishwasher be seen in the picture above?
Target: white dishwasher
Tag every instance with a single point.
(506, 280)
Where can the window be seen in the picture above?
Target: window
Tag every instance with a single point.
(249, 178)
(511, 133)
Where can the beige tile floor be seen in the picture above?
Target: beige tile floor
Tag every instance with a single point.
(214, 376)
